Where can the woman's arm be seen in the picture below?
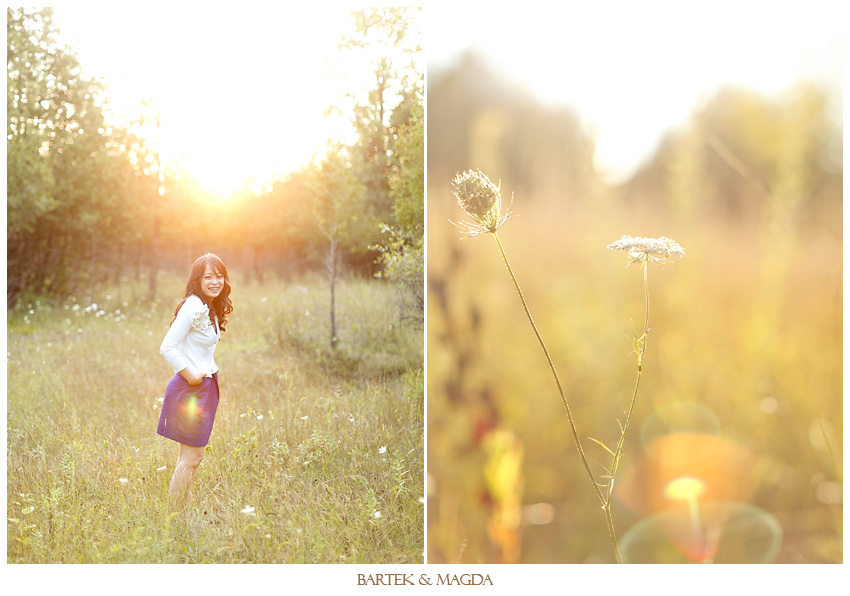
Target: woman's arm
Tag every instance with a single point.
(176, 333)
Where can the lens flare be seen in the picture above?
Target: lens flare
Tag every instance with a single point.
(725, 533)
(685, 488)
(192, 406)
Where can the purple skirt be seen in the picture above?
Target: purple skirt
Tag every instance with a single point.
(188, 411)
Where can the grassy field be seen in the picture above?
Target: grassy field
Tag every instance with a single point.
(316, 456)
(741, 393)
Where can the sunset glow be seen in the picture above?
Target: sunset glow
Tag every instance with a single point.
(241, 96)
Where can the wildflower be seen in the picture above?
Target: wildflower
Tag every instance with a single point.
(382, 449)
(123, 480)
(248, 511)
(648, 249)
(481, 200)
(260, 417)
(376, 515)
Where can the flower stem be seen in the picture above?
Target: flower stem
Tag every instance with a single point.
(641, 350)
(605, 502)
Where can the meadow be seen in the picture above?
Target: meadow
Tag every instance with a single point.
(740, 400)
(317, 455)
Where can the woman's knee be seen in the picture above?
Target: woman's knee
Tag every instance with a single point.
(191, 456)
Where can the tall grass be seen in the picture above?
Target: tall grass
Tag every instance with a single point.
(316, 455)
(761, 364)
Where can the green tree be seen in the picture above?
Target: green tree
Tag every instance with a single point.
(72, 188)
(402, 251)
(337, 201)
(387, 41)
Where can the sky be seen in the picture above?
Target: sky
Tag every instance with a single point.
(633, 70)
(241, 89)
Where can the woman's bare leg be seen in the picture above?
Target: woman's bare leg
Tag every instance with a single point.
(188, 460)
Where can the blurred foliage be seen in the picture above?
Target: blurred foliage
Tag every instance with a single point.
(403, 252)
(745, 330)
(90, 202)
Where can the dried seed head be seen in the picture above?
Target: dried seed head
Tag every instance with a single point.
(481, 200)
(648, 249)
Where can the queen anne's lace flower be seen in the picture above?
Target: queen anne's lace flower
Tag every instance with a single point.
(201, 320)
(482, 202)
(648, 249)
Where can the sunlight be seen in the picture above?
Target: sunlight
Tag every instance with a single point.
(231, 122)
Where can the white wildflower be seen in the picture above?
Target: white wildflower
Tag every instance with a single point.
(382, 449)
(482, 202)
(648, 249)
(376, 514)
(248, 511)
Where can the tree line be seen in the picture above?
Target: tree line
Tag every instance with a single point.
(740, 158)
(89, 201)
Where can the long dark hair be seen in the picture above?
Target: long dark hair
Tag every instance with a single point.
(220, 305)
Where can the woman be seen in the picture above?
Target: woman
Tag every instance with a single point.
(191, 397)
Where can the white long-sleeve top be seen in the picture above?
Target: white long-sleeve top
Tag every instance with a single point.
(191, 339)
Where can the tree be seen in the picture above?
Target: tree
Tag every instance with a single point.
(402, 253)
(337, 200)
(74, 180)
(392, 37)
(54, 140)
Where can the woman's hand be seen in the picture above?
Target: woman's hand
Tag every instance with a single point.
(191, 377)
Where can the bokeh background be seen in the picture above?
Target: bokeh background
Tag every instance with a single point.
(719, 128)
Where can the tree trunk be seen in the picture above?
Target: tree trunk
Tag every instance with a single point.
(154, 260)
(332, 270)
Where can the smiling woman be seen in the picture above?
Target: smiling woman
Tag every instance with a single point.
(192, 395)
